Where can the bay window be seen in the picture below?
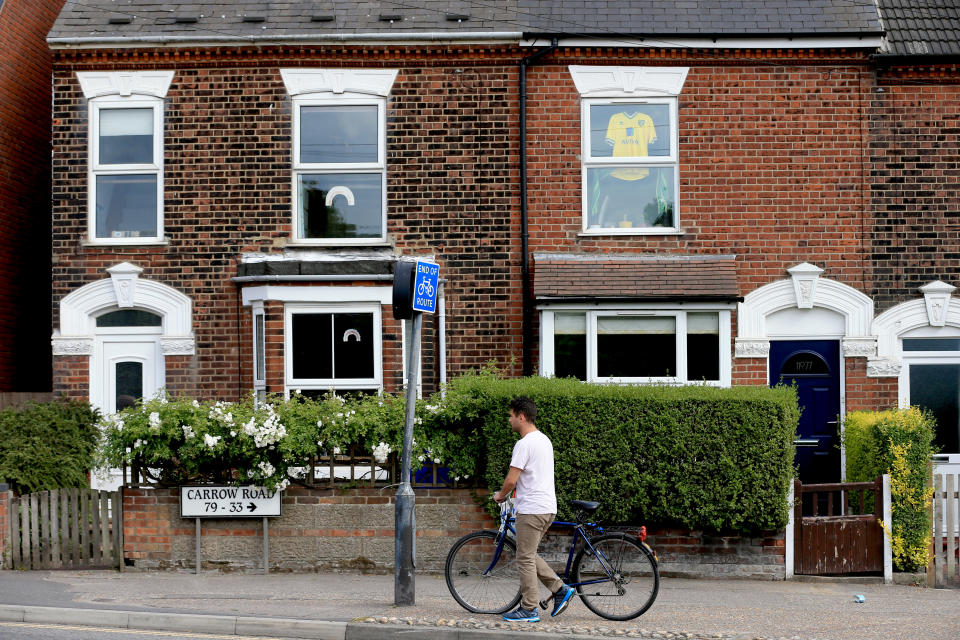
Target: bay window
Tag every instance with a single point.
(333, 347)
(636, 345)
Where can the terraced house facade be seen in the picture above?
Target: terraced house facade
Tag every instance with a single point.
(654, 192)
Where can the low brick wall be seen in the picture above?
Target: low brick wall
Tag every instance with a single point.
(324, 529)
(319, 529)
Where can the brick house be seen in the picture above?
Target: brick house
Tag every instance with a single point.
(689, 199)
(25, 193)
(914, 155)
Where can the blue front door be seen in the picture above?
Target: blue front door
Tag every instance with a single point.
(814, 366)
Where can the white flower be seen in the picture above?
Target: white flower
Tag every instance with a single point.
(138, 444)
(381, 451)
(418, 421)
(266, 468)
(421, 458)
(211, 441)
(432, 408)
(319, 443)
(283, 484)
(233, 434)
(336, 451)
(187, 431)
(296, 391)
(196, 404)
(436, 460)
(319, 423)
(339, 415)
(154, 421)
(380, 404)
(456, 478)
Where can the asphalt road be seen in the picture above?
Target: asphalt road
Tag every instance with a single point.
(29, 631)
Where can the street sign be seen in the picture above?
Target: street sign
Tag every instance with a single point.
(425, 284)
(229, 502)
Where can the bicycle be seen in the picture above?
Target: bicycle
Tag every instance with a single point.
(615, 574)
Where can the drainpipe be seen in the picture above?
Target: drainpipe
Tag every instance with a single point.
(524, 223)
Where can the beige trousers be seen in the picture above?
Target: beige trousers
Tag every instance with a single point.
(530, 530)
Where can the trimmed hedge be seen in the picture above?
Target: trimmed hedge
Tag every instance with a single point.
(694, 456)
(48, 445)
(898, 442)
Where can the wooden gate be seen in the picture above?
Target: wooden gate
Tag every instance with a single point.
(66, 529)
(946, 529)
(837, 528)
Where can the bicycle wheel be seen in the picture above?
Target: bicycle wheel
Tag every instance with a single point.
(476, 589)
(634, 582)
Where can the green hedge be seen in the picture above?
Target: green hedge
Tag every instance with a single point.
(898, 442)
(695, 456)
(47, 445)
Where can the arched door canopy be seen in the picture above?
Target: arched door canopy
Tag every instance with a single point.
(124, 289)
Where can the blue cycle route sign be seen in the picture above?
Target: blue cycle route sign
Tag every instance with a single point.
(425, 284)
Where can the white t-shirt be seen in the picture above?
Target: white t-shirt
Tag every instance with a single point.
(533, 455)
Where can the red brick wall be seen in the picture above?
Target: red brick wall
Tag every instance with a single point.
(868, 394)
(915, 193)
(771, 166)
(452, 191)
(25, 194)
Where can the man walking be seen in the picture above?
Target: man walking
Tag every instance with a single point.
(531, 472)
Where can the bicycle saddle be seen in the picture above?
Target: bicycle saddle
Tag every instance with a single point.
(583, 505)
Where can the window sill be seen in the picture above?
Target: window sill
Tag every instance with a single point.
(105, 242)
(672, 231)
(333, 244)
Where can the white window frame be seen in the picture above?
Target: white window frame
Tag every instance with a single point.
(650, 162)
(325, 384)
(97, 169)
(302, 168)
(910, 358)
(547, 363)
(259, 355)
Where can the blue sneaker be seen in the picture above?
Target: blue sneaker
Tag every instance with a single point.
(522, 615)
(561, 599)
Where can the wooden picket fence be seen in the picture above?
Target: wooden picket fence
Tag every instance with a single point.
(946, 530)
(66, 529)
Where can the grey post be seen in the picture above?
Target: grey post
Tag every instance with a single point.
(266, 547)
(404, 561)
(198, 546)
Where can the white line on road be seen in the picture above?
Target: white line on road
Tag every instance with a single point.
(139, 632)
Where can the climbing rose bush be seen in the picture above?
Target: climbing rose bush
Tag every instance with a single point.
(177, 440)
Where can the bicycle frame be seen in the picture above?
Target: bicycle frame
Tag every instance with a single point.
(507, 520)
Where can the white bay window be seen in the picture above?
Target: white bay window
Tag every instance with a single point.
(636, 345)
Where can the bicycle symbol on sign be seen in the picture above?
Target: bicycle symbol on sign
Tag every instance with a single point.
(425, 288)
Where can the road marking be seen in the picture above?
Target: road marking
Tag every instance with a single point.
(140, 632)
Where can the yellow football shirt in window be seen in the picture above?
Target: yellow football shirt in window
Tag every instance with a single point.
(629, 137)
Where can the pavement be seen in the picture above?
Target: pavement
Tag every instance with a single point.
(354, 606)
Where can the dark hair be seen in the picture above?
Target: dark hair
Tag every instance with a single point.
(523, 406)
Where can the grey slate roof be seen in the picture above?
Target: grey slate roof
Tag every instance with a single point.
(921, 27)
(96, 20)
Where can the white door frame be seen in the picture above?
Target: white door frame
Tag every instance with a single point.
(102, 383)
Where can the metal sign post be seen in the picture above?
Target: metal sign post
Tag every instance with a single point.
(415, 288)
